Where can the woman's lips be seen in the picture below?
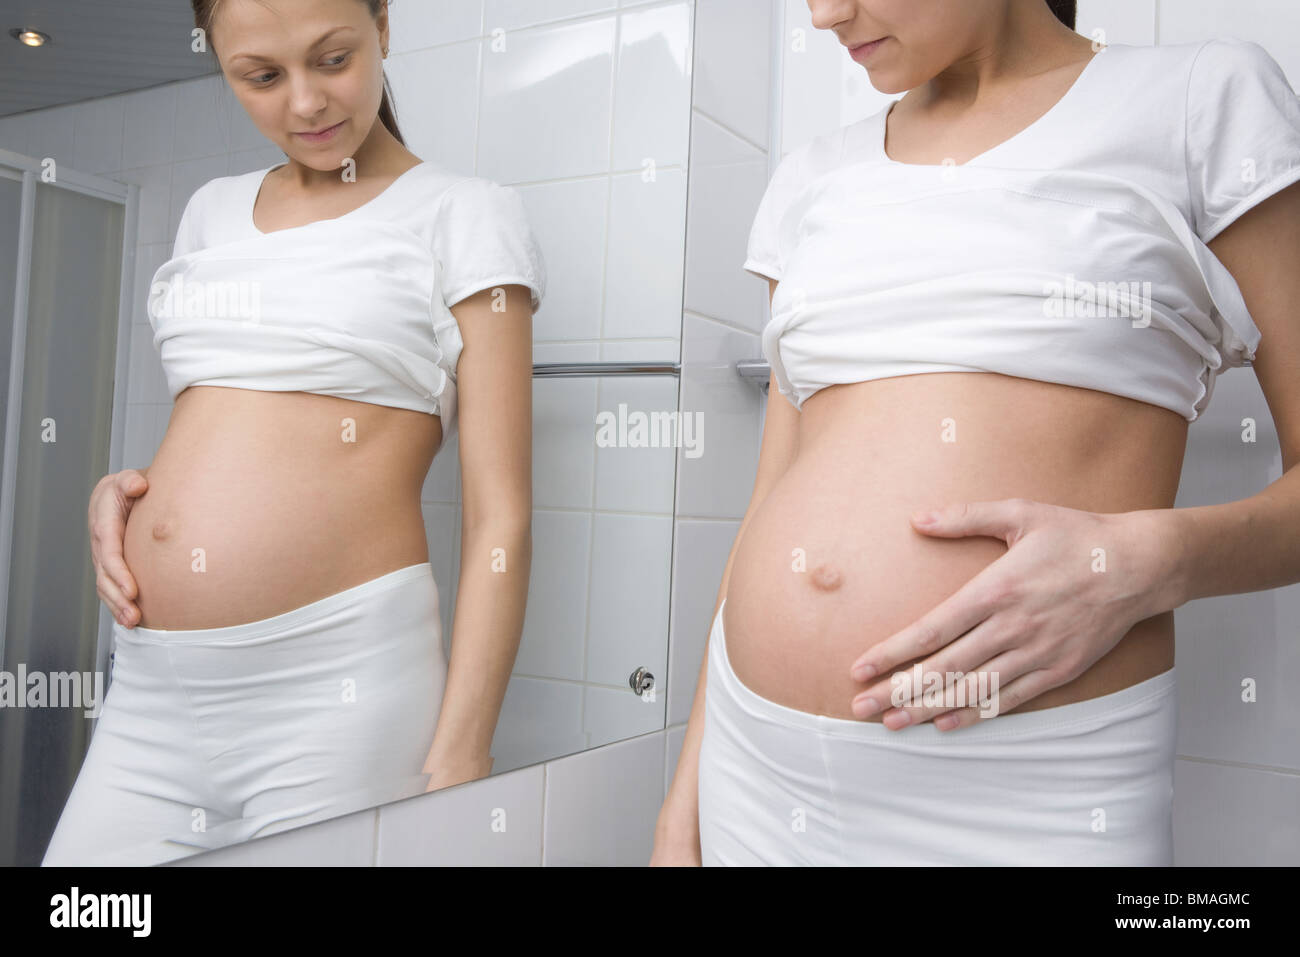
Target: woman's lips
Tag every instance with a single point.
(864, 51)
(323, 135)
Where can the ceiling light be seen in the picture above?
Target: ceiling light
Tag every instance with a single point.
(32, 38)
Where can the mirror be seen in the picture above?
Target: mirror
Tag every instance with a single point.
(210, 734)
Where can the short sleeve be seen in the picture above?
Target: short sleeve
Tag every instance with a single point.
(1243, 132)
(767, 251)
(482, 239)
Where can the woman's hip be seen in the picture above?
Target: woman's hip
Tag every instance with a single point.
(360, 658)
(1086, 781)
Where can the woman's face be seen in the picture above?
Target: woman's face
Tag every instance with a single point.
(921, 38)
(302, 66)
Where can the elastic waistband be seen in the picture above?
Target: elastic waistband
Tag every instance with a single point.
(1136, 697)
(289, 619)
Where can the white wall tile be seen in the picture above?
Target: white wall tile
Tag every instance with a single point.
(187, 177)
(147, 383)
(628, 601)
(733, 65)
(700, 552)
(496, 822)
(414, 26)
(138, 446)
(638, 478)
(1121, 21)
(15, 132)
(569, 221)
(513, 14)
(541, 718)
(201, 124)
(50, 133)
(718, 483)
(148, 258)
(154, 214)
(601, 805)
(728, 179)
(97, 134)
(616, 714)
(555, 618)
(643, 276)
(148, 126)
(564, 417)
(1235, 817)
(441, 533)
(1274, 26)
(522, 83)
(652, 87)
(436, 100)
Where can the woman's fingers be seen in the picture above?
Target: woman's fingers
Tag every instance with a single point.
(123, 610)
(110, 504)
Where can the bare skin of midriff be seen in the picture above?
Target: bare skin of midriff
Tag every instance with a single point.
(871, 453)
(288, 501)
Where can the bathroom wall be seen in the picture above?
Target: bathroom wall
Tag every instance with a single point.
(1237, 778)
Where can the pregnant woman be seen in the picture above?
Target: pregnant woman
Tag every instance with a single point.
(322, 324)
(996, 293)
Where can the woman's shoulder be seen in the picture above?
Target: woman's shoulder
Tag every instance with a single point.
(464, 205)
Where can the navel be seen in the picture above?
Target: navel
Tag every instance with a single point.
(826, 577)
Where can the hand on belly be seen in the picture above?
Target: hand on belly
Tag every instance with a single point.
(1071, 585)
(1038, 592)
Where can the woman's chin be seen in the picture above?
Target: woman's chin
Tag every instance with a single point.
(883, 82)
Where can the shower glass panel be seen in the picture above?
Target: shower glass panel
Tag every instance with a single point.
(59, 401)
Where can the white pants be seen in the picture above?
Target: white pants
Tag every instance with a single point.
(213, 736)
(1087, 783)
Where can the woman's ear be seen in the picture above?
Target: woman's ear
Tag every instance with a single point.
(382, 23)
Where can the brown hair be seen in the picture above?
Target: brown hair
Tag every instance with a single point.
(205, 11)
(1067, 11)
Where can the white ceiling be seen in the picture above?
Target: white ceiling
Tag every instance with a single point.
(98, 47)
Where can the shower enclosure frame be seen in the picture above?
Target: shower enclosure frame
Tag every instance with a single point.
(30, 171)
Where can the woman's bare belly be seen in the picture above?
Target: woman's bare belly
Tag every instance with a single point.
(261, 502)
(870, 454)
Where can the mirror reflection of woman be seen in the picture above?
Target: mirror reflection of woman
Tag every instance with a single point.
(921, 361)
(278, 655)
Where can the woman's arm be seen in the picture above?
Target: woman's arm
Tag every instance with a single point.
(677, 834)
(494, 399)
(1251, 544)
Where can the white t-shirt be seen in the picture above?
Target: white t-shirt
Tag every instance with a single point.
(1074, 252)
(355, 306)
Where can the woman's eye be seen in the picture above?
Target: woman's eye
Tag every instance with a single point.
(260, 79)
